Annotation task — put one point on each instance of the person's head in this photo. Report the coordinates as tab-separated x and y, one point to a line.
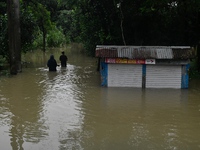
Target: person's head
63	52
51	57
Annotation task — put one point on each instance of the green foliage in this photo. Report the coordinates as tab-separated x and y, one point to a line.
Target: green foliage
143	22
3	69
38	43
3	30
55	38
28	27
193	72
95	21
3	35
4	72
65	21
2	7
36	24
2	60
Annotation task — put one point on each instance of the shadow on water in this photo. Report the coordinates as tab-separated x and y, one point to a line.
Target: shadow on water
68	109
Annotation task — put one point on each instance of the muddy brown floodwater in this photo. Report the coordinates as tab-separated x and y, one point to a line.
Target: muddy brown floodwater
69	110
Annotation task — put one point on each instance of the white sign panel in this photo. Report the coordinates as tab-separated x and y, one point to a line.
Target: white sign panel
150	61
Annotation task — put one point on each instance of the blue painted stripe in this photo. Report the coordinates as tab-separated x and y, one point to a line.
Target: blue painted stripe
104	73
144	70
144	76
185	77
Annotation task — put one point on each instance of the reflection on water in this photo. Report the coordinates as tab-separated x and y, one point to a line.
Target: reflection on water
21	109
68	109
143	119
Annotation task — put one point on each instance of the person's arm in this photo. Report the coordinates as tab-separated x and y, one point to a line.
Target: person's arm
47	63
56	64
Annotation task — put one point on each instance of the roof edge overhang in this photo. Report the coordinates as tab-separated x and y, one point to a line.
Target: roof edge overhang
145	52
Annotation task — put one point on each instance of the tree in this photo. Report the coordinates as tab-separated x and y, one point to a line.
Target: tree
43	21
3	32
14	36
116	22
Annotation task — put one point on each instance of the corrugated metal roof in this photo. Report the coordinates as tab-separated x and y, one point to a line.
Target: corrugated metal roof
145	52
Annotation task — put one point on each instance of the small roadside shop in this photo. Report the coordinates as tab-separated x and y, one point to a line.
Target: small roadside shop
144	66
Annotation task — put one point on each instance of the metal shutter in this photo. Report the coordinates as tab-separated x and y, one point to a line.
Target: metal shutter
163	76
124	75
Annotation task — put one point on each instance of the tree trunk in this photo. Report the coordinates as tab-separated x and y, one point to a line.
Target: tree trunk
44	37
198	57
121	25
14	36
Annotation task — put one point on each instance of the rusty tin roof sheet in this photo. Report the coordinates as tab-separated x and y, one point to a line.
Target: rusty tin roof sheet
145	52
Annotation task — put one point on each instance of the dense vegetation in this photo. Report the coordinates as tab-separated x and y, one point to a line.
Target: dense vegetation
54	23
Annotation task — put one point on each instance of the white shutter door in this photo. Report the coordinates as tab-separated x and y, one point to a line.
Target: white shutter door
124	75
163	76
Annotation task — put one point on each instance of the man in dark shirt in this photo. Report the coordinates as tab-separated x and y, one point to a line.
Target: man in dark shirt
63	60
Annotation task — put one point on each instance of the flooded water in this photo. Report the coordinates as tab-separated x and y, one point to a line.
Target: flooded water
69	110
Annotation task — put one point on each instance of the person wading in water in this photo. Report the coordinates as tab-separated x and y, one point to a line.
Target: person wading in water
52	64
63	60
